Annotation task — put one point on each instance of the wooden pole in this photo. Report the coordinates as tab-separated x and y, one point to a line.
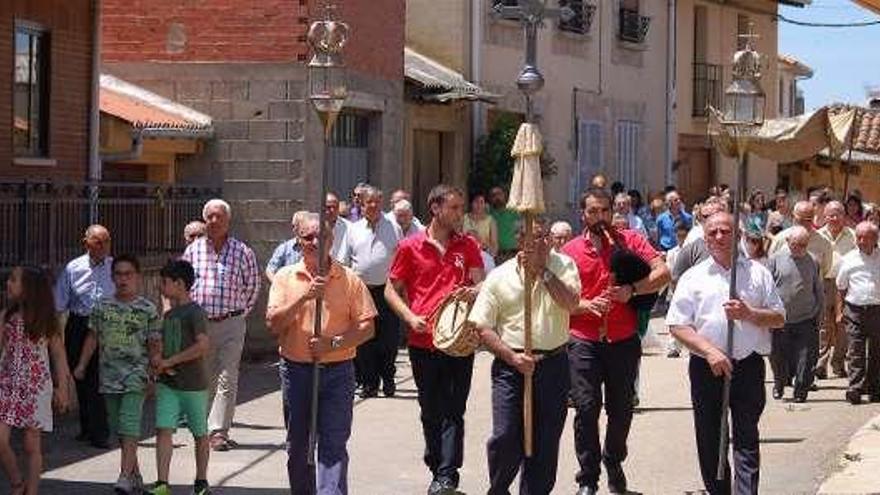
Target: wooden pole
528	389
852	139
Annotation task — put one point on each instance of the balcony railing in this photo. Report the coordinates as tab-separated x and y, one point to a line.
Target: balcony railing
42	223
581	19
707	88
633	26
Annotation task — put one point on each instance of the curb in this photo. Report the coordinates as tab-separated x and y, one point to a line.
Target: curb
859	463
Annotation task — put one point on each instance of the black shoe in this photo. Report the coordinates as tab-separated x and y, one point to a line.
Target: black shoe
389	388
840	374
82	437
587	490
778	392
799	398
442	486
854	397
874	398
814	387
821	374
368	393
616	478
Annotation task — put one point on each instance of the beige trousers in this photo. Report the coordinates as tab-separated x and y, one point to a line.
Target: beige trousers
227	342
832	336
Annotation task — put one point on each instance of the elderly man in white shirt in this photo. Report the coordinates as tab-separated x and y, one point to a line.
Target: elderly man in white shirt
858	284
623	205
371	243
698	317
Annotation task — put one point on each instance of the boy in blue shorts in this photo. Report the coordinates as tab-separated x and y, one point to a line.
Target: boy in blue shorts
182	390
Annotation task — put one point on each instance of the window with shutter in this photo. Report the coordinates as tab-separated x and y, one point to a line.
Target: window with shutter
589	155
628	141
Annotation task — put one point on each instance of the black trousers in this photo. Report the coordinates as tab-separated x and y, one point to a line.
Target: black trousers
863	354
92	412
376	357
747	399
794	356
592	365
505	447
444	383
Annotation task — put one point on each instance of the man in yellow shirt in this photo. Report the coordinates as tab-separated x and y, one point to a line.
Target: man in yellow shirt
347	318
498	316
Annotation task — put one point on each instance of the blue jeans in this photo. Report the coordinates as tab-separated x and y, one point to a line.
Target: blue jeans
335	408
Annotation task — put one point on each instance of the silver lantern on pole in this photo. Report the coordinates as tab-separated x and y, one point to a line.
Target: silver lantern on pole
327	91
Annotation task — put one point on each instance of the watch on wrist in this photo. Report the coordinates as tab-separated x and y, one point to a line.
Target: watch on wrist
633	291
336	342
546	275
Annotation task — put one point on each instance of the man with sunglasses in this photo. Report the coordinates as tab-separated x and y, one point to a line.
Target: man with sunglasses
83	282
347	319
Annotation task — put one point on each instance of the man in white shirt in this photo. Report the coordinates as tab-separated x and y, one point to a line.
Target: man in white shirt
370	244
698	317
858	283
391	214
832	337
403	216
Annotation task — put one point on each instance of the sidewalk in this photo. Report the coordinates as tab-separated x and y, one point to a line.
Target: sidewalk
860	463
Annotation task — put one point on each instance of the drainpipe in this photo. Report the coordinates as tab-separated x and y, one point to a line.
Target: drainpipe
476	72
671	69
95	172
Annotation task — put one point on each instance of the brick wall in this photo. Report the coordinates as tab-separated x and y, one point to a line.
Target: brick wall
69	23
245	31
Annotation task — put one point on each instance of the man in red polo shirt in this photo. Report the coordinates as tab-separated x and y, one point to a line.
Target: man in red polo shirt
605	348
426	268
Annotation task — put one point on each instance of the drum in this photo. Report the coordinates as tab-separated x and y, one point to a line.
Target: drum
453	335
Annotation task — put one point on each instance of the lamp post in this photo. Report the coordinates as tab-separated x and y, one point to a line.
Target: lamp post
327	92
743	115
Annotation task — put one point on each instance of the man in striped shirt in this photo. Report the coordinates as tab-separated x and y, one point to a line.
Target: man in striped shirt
226	287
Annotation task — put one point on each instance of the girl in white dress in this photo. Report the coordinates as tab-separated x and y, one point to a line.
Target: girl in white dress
29	334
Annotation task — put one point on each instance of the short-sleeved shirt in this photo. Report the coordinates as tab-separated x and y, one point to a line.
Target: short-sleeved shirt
799	284
371	248
499	304
181	326
505	221
702	291
594	269
429	275
286	254
346	304
859	276
82	284
227	280
123	329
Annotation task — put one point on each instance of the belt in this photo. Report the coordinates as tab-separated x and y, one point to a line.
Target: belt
331	364
231	314
544	353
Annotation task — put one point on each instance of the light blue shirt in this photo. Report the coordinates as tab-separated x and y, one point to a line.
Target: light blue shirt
287	253
82	284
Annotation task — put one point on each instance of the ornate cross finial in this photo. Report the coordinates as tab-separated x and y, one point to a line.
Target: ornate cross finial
747	62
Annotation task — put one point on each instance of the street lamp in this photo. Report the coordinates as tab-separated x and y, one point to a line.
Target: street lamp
743	115
327	91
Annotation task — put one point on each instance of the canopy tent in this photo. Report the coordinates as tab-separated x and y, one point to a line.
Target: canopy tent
832	131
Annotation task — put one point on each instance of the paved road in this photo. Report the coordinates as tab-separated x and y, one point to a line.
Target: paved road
801	443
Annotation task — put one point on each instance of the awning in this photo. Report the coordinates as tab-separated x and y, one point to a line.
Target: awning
872	5
829	131
439	83
150	113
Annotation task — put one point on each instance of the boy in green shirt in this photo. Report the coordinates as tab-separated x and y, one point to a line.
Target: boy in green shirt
120	327
176	357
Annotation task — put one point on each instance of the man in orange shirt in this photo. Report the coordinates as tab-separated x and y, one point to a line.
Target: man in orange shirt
347	318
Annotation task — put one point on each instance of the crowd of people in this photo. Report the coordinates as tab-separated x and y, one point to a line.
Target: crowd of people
807	297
